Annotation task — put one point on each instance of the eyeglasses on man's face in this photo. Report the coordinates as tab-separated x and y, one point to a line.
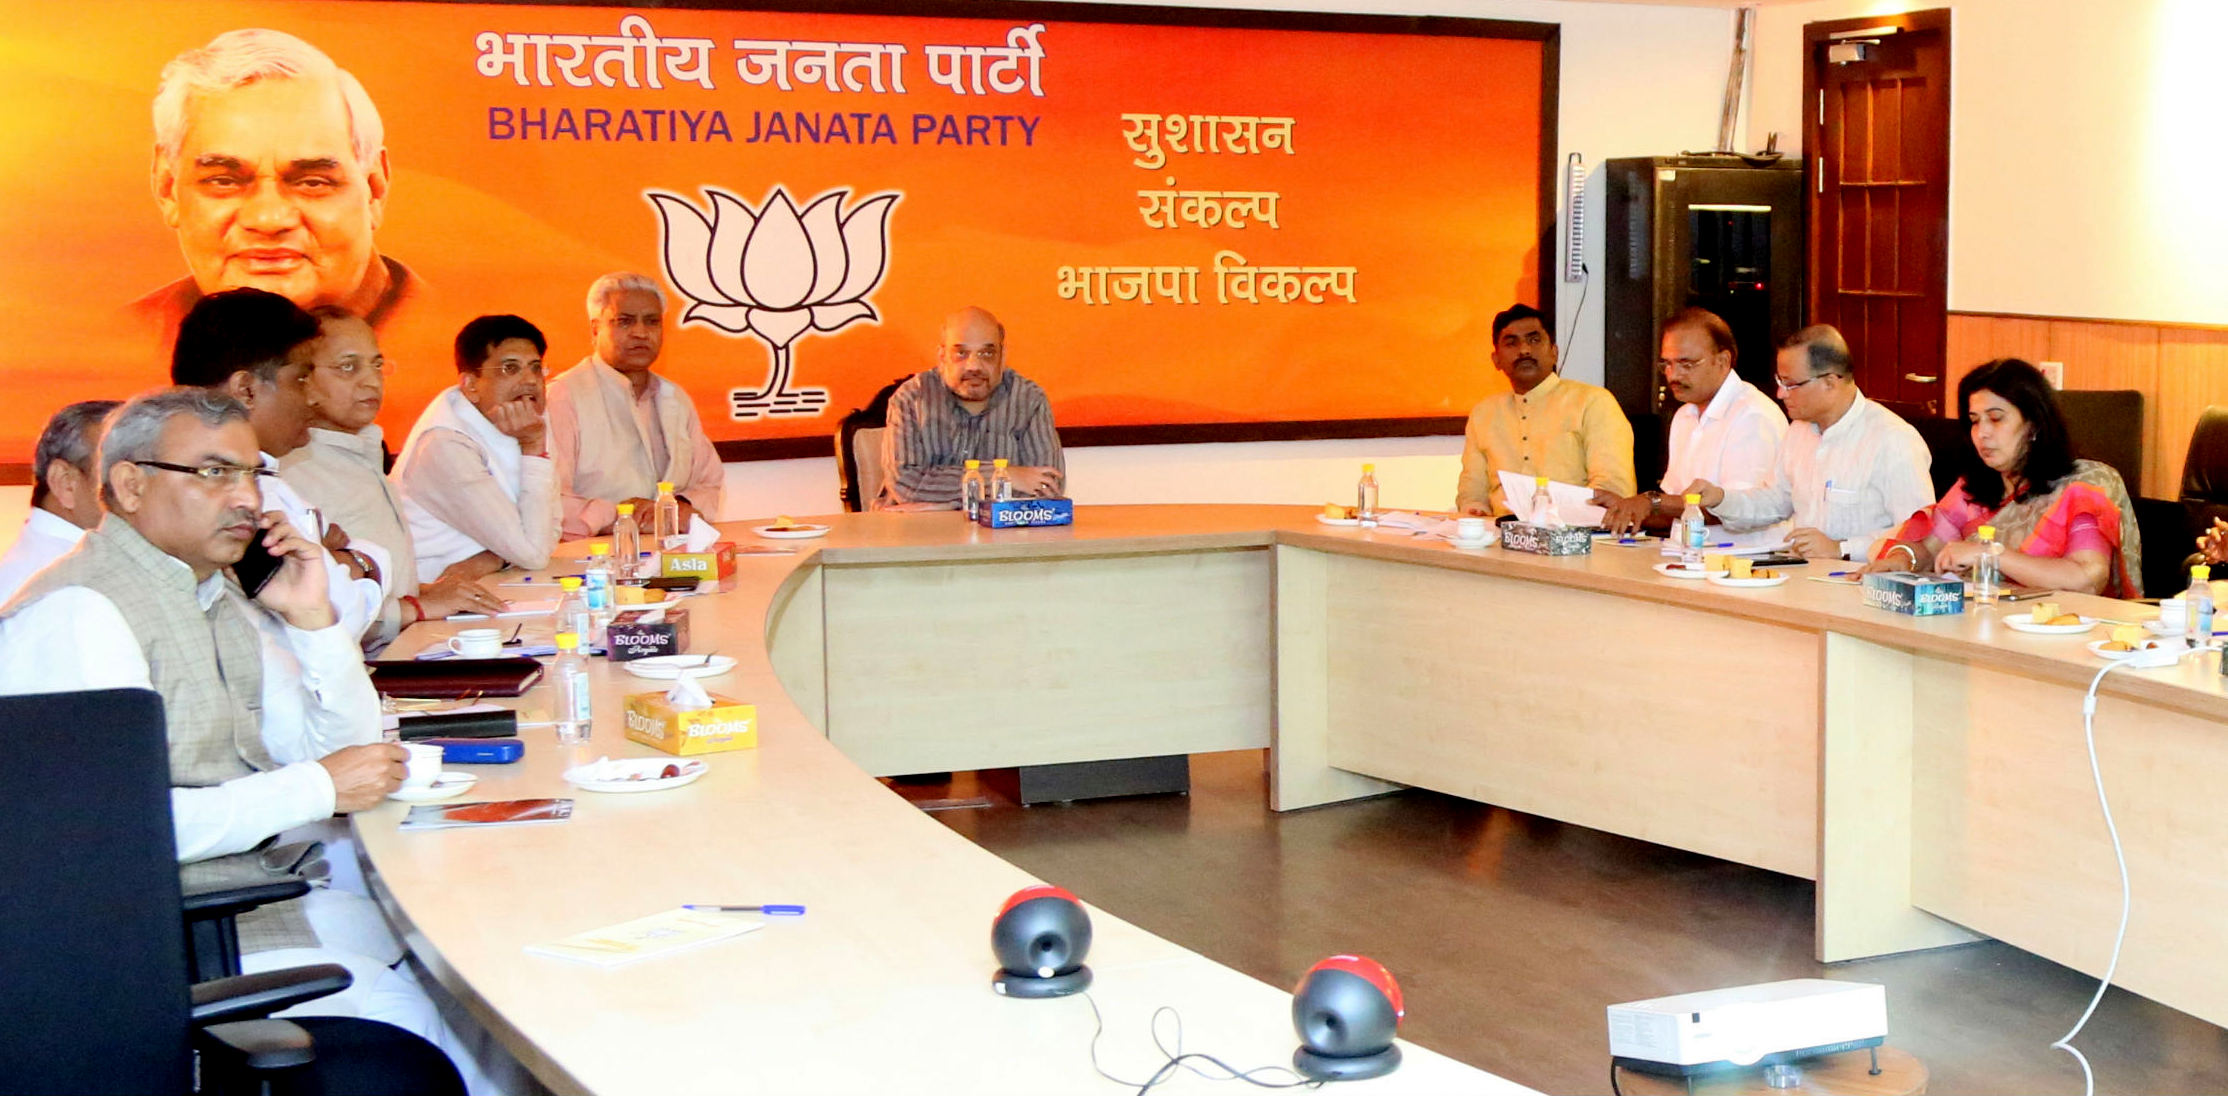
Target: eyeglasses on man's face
1679	365
1785	388
212	475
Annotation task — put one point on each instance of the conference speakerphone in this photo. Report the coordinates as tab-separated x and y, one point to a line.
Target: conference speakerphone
1764	1024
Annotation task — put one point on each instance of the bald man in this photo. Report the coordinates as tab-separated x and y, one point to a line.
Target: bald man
970	407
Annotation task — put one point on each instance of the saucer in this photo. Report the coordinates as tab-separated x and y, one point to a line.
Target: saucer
1481	542
448	785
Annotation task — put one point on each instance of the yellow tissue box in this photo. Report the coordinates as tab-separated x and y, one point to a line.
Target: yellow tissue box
726	725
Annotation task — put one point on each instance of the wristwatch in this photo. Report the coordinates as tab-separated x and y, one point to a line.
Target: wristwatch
1655	501
364	563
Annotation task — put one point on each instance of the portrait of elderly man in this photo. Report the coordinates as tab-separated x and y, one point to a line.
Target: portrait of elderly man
270	163
969	407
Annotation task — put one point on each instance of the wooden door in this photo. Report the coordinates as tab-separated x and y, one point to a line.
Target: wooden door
1878	164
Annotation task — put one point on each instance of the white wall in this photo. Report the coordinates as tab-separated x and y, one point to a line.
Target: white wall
2086	150
1637	80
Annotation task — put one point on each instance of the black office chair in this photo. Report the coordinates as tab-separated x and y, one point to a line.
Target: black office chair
858	450
96	990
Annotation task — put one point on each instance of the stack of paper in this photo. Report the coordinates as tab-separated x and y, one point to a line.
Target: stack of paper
657	934
1573	503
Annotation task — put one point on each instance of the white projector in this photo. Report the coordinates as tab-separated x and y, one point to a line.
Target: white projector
1744	1026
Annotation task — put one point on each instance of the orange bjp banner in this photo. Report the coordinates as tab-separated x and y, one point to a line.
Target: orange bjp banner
1284	220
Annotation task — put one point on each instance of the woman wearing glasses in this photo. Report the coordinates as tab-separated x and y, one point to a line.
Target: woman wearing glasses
2065	524
342	472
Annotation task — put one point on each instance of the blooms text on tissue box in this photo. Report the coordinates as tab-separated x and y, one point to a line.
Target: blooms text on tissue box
726	725
1023	513
633	635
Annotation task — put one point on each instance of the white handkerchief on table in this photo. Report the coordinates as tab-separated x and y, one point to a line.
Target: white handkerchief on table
1573	503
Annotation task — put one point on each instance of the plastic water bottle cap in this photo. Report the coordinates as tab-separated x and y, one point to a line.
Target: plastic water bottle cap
999	463
664	486
2201	572
1988	532
1542	480
599	548
569	582
974	464
626	509
1694	500
568	641
1368	468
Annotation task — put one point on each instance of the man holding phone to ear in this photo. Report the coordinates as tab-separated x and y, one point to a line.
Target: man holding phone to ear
143	602
257	348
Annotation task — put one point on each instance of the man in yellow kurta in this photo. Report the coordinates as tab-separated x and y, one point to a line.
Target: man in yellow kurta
1546	425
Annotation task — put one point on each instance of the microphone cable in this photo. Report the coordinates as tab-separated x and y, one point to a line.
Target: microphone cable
1178	1059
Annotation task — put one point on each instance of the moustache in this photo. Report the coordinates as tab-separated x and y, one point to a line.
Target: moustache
1527	360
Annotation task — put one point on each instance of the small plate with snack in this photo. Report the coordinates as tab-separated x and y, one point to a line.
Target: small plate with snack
1757	578
634	774
789	528
1680	570
2047	619
1334	514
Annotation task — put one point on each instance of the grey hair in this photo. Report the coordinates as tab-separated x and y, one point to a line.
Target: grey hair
69	436
1828	351
238	58
135	429
617	282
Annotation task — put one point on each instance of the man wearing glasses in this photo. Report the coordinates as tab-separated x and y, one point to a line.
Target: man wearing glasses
343	472
970	407
1850	470
144	602
1725	431
475	476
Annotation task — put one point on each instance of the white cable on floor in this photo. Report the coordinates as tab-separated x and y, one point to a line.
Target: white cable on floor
2088	730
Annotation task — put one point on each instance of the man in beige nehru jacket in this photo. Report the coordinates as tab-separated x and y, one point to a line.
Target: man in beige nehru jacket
616	430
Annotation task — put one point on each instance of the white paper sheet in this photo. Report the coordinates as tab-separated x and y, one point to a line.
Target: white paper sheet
1573	503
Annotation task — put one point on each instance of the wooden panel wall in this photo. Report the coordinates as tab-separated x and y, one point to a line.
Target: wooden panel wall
2179	370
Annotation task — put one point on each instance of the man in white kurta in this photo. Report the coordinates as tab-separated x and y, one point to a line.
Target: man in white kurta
65	498
1725	430
1850	471
475	476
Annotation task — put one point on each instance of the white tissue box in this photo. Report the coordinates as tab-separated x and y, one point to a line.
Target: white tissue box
726	725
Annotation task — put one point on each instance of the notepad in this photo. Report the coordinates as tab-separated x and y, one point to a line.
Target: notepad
645	937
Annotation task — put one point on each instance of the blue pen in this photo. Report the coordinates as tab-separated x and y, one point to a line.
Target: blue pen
770	911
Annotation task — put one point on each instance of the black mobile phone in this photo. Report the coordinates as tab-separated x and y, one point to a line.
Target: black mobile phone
256	565
1780	561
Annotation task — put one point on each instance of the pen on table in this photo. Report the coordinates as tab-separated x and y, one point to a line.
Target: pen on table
770	911
1839	574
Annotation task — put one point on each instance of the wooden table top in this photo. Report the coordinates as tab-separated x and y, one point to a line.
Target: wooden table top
886	979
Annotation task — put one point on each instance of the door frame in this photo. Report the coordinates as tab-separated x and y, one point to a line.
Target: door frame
1816	35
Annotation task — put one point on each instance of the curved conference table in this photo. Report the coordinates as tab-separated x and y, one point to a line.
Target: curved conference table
1928	773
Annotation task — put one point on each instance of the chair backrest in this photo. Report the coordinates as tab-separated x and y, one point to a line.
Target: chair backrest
1946	440
2107	425
859	459
95	992
2205	472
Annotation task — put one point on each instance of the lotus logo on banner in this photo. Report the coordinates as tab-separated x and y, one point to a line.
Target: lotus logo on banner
775	273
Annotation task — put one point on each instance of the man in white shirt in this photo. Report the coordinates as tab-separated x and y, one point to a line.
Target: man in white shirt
1850	471
1725	430
65	497
617	430
475	476
258	348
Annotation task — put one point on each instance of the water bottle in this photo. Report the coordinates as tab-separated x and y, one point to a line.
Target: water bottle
665	528
575	713
572	607
626	544
1001	482
595	587
1693	533
1988	576
971	489
2200	599
1545	513
1365	497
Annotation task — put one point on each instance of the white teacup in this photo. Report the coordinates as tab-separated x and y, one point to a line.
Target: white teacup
2173	616
424	765
477	643
1469	530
